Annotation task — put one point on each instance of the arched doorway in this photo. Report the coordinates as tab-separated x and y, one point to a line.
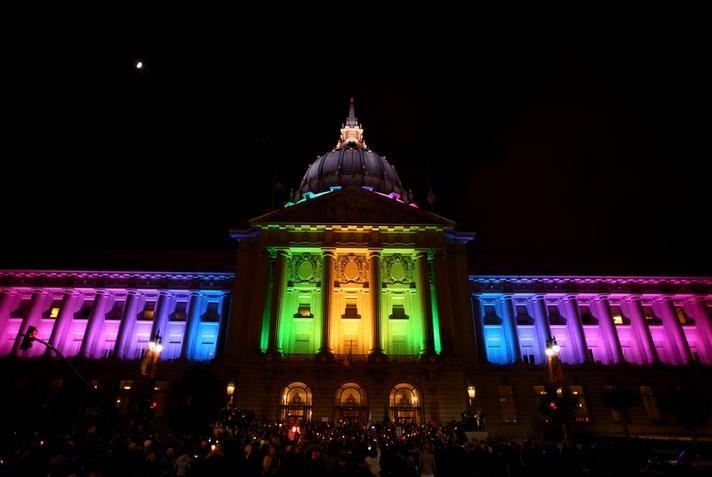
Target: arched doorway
296	403
351	404
405	404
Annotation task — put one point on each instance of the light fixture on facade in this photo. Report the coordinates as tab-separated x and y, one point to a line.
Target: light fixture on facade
471	392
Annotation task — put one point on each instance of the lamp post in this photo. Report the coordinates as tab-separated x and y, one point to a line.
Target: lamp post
153	353
556	378
230	389
552	360
471	393
30	337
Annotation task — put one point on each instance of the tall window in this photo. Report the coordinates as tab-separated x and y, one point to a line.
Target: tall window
149	310
85	311
617	315
649	314
491	317
682	316
615	415
581	411
555	317
116	311
587	317
304	311
651	403
212	312
522	313
54	309
506	403
351	310
22	309
179	313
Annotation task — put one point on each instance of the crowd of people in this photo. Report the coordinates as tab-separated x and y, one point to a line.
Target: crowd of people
239	445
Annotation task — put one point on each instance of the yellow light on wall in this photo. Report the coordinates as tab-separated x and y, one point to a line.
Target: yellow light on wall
230	389
471	391
54	312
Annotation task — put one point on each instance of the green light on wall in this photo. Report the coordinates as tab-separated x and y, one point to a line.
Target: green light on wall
436	319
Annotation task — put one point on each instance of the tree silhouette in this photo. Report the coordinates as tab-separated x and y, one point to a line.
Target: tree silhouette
200	395
621	400
559	406
689	406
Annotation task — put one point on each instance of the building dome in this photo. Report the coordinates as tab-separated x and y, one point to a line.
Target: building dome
352	163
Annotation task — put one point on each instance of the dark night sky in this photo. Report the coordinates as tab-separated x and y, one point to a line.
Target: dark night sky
570	146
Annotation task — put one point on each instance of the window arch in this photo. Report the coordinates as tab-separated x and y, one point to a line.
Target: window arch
405	404
296	403
351	404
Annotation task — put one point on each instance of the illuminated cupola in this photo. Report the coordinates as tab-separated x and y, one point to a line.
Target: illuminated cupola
352	164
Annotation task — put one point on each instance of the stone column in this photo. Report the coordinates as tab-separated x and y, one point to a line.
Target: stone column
703	323
479	327
328	258
192	325
374	284
422	259
609	334
509	323
674	332
7	301
575	328
160	318
280	277
541	323
127	325
34	315
92	334
59	337
644	339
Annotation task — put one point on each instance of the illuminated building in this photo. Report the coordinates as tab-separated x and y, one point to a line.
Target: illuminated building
351	303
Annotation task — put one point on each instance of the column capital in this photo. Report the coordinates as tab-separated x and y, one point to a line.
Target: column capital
133	292
601	298
375	252
102	292
422	253
570	298
328	252
696	299
539	298
633	298
275	252
165	293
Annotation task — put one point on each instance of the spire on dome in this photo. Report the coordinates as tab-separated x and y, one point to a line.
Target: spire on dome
351	120
351	132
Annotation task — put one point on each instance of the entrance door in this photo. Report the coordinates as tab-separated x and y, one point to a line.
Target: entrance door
351	405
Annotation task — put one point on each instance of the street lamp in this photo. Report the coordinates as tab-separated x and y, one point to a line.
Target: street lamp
155	346
30	337
471	393
552	348
230	391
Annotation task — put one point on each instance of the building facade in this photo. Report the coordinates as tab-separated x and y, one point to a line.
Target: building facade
350	303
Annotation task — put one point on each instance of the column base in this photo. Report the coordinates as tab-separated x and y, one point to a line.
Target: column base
325	355
377	356
272	356
429	356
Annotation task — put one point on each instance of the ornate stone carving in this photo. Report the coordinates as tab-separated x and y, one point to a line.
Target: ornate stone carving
305	268
397	269
352	269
